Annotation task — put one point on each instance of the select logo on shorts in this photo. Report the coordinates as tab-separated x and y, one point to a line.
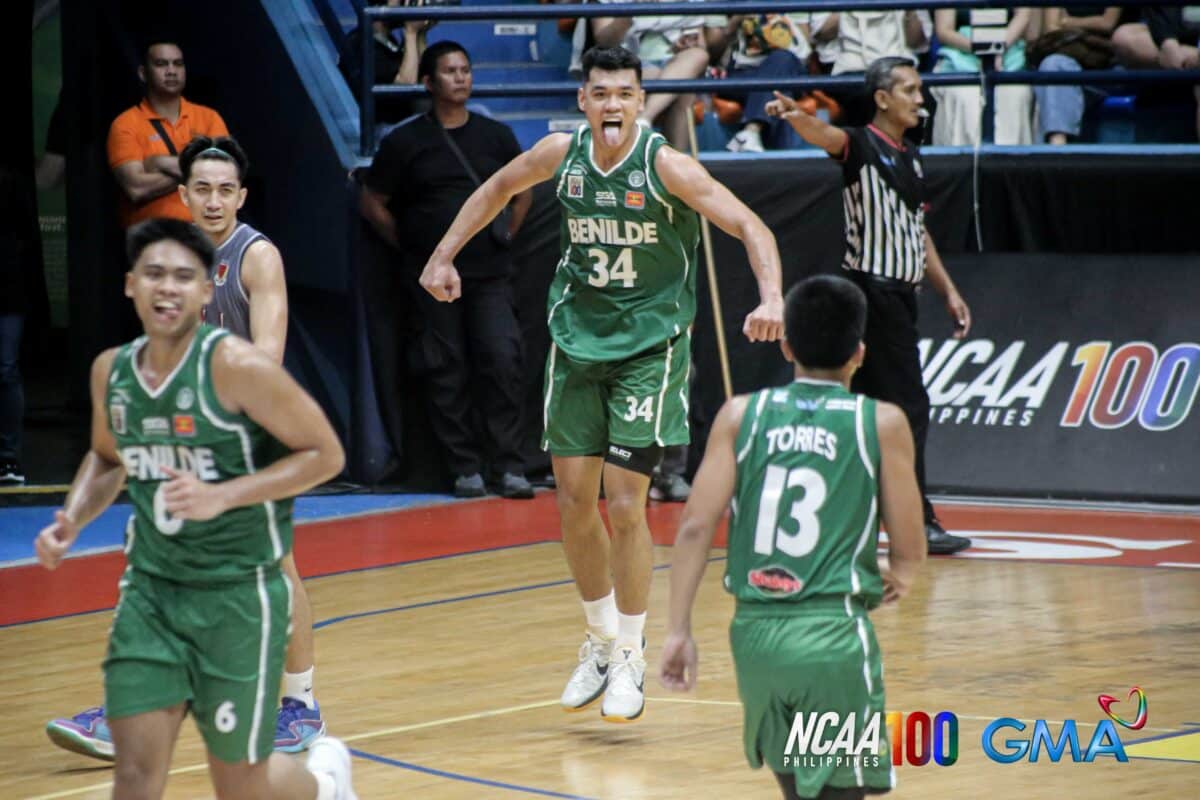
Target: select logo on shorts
221	274
185	425
635	200
774	581
575	186
620	452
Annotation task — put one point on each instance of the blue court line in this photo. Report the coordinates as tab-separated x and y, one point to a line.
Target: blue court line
461	598
1161	736
391	762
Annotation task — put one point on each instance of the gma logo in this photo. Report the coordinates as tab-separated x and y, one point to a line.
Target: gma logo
1104	742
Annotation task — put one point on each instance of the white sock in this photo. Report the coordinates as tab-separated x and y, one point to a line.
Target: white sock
602	615
326	787
299	686
629	630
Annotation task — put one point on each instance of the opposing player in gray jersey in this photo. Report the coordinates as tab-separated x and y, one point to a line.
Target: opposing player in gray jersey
249	299
810	469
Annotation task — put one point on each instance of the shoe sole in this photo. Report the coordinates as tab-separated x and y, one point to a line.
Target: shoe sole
947	550
302	745
619	720
75	743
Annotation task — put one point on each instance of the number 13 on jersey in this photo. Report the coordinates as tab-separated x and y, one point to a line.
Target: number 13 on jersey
768	535
621	269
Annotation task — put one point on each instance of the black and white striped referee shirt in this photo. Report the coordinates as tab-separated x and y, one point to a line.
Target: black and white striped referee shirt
884	201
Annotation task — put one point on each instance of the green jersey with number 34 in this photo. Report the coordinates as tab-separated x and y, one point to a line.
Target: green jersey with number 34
181	425
806	500
627	278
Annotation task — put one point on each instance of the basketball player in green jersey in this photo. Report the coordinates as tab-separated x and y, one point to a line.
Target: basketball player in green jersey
214	439
249	299
810	468
620	311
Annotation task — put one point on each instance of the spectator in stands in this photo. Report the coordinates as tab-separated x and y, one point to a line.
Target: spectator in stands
959	107
767	46
866	36
1071	40
144	141
1174	36
671	48
395	61
823	36
425	170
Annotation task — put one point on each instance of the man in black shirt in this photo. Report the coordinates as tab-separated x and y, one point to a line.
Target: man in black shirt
411	194
888	250
394	61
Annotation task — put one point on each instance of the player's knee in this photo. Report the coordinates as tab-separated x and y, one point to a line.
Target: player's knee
626	512
575	501
136	779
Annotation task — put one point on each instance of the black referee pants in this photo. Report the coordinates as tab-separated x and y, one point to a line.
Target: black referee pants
891	370
471	354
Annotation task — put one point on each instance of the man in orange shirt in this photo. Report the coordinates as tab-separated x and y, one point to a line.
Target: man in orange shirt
144	141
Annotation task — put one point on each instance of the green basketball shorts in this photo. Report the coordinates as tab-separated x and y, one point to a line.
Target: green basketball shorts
810	661
636	402
219	648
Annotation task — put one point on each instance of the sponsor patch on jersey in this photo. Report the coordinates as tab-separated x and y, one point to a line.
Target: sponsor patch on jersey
606	199
842	405
775	581
637	179
805	404
116	415
155	426
185	398
635	200
575	186
185	425
221	274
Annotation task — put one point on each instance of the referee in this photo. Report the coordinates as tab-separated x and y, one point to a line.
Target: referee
888	250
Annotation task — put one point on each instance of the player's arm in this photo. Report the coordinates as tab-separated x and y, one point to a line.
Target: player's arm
248	382
535	165
815	131
711	492
684	177
263	280
899	502
97	481
940	279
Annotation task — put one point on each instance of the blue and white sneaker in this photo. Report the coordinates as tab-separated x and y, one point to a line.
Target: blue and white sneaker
85	733
297	726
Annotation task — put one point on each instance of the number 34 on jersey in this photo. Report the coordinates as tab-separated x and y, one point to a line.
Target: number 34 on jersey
623	234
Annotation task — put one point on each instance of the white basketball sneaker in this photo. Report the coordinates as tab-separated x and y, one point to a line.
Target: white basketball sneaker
330	756
590	678
625	700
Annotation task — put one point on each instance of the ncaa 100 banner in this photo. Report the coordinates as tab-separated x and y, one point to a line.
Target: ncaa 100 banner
1079	378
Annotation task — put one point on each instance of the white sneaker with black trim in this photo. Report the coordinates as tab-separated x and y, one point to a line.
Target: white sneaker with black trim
590	678
625	699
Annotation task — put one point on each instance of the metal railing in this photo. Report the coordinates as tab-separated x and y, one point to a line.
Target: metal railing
987	80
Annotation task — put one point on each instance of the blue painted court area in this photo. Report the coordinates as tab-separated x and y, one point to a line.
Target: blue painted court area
18	526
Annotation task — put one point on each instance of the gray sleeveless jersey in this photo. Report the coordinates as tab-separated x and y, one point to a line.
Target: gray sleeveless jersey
230	306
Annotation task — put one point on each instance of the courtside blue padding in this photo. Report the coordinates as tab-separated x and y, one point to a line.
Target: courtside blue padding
512	787
18	526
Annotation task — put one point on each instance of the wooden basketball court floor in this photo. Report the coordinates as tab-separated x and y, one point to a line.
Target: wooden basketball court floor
446	633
